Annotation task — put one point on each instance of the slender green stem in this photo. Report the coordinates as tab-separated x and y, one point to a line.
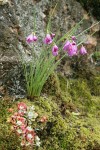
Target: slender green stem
87	29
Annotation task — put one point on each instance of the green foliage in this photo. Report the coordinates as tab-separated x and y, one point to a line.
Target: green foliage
36	76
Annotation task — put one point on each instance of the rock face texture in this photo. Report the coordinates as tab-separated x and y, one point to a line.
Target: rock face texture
16	22
11	41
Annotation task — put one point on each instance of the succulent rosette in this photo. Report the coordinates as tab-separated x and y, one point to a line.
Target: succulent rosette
21	122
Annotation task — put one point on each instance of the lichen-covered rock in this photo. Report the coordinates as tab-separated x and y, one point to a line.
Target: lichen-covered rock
11	42
3	2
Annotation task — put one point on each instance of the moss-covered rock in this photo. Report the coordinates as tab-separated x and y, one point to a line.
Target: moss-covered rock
8	139
94	85
73	117
80	92
52	86
69	131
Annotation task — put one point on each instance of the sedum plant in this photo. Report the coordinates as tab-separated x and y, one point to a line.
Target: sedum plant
38	69
23	124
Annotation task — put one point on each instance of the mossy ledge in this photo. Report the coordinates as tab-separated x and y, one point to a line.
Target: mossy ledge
73	116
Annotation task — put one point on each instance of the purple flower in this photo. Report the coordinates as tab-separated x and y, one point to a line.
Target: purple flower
73	38
83	51
52	35
65	48
55	50
48	39
72	49
35	38
73	43
31	38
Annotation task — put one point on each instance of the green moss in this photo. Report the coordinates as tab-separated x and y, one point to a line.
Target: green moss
63	83
64	86
94	85
8	140
61	132
51	86
73	117
80	92
46	106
